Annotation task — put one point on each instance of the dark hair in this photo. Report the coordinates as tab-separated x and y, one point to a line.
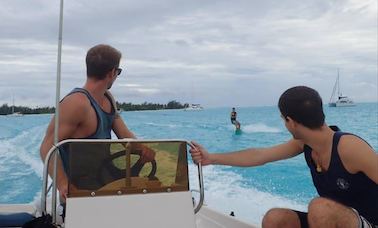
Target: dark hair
304	105
101	59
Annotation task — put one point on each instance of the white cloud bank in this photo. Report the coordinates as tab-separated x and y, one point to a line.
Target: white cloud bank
217	53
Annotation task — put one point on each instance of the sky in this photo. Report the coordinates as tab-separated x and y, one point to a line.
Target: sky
217	53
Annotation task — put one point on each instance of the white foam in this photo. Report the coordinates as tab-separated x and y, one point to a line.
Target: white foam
225	192
259	127
25	147
163	125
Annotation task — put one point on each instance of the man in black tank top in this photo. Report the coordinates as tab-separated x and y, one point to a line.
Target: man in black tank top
344	168
90	112
233	116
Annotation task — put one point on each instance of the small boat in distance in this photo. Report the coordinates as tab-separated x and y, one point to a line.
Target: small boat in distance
194	107
13	113
337	99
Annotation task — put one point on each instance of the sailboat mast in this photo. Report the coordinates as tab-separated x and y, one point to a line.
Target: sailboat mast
335	87
12	104
338	83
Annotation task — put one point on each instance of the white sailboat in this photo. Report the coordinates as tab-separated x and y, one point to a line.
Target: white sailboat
13	113
337	99
194	107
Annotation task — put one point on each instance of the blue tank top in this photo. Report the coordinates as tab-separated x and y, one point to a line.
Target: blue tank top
104	124
353	190
104	119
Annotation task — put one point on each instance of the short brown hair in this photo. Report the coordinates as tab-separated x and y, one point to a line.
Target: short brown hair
304	105
101	59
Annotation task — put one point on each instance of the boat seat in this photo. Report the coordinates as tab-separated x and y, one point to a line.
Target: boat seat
16	215
15	219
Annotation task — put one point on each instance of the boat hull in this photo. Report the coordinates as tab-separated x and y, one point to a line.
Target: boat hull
343	102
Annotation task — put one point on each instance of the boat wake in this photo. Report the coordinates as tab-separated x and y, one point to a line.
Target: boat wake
226	192
259	128
25	149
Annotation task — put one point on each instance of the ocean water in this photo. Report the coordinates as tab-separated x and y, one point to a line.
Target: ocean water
248	192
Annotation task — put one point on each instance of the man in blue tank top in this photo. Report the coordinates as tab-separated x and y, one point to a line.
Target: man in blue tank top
90	112
344	167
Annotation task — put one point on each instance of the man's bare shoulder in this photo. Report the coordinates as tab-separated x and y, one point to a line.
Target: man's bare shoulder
350	144
354	152
297	144
75	106
76	100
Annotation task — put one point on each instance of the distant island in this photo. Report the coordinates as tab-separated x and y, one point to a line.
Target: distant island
151	106
5	109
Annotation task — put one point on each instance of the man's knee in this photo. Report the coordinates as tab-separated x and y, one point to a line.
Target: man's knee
279	217
326	212
322	209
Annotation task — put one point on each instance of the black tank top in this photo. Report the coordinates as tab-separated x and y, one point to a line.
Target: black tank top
353	190
233	115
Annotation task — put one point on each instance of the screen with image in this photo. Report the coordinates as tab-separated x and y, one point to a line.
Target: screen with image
103	168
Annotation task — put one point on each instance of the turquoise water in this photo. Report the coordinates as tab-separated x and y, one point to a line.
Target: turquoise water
249	192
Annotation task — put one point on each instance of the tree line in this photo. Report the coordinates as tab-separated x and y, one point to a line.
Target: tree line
5	109
151	106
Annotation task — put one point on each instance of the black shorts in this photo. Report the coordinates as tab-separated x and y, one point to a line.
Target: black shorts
302	218
233	121
363	223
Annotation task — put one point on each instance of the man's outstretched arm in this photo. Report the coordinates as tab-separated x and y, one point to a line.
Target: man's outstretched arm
247	157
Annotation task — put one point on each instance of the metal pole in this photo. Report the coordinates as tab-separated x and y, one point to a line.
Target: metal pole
57	99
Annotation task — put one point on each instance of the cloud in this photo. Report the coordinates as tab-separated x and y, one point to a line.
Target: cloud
217	53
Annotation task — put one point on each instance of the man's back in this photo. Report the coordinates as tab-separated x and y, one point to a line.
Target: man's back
80	105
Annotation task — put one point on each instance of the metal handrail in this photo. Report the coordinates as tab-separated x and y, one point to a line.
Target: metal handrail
202	189
45	178
200	181
55	150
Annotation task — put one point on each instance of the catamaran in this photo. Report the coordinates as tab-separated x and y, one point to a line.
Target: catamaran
194	107
110	187
337	99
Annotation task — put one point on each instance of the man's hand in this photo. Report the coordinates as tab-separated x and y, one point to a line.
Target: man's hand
147	154
199	154
63	189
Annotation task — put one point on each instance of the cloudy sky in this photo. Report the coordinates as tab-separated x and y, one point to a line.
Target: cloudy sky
218	53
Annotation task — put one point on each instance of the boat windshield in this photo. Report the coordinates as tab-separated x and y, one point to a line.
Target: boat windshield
103	168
